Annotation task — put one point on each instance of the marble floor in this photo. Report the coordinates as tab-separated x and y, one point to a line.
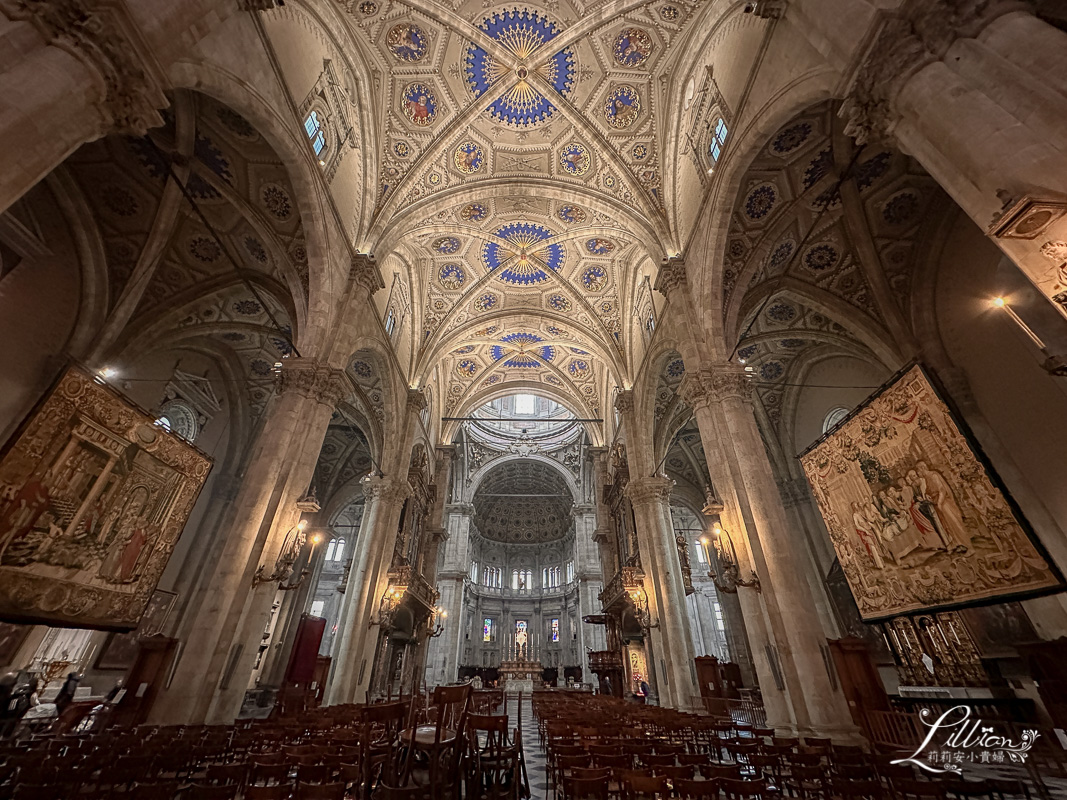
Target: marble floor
531	745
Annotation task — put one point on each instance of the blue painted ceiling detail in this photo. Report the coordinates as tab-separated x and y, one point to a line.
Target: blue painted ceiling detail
524	254
523	32
515	348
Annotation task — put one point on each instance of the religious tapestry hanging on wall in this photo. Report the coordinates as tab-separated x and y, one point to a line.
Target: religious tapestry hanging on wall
917	520
93	497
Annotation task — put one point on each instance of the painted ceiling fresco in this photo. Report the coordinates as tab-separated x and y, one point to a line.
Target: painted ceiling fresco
815	265
520	185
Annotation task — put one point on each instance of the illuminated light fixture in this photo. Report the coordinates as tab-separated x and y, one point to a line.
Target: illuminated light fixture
1054	365
322	163
107	373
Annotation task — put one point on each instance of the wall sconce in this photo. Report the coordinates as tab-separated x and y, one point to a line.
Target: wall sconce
287	557
639	599
724	570
1054	365
436	625
388	606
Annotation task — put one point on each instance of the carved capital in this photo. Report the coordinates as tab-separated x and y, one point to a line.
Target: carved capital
416	401
921	32
671	276
624	401
649	490
104	37
720	382
460	509
364	273
313	380
388	490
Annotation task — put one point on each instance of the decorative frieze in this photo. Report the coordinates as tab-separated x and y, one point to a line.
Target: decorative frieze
102	35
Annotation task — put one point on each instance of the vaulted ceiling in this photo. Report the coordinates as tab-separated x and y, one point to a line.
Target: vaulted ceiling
523	502
520	184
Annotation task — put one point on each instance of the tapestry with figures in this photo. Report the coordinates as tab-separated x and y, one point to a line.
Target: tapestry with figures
918	522
93	497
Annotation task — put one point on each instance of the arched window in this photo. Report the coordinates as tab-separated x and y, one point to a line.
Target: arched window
834	417
390	321
335	550
474	571
718	140
181	418
313	128
570	571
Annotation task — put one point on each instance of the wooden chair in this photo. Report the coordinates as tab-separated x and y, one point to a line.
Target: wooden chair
696	790
274	792
204	791
615	762
658	760
268	774
867	789
226	773
591	788
919	790
654	788
492	760
806	781
720	772
320	791
746	790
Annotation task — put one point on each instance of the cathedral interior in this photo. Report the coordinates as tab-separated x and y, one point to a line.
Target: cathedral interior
676	374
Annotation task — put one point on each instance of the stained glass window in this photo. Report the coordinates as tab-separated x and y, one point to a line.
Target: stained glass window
555	630
487	630
520	632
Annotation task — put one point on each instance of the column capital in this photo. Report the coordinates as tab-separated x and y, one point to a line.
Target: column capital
378	487
718	382
416	400
649	490
461	509
624	401
107	40
363	270
671	276
437	535
314	380
921	32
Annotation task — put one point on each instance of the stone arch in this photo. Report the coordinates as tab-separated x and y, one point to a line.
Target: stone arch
326	280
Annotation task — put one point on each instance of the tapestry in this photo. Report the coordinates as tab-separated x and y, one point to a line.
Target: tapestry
93	497
916	519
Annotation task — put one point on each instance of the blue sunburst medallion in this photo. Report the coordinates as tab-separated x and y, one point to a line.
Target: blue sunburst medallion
522	254
517	349
523	32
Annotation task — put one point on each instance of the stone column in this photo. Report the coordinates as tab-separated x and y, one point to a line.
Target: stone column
650	497
222	627
381	515
588	574
787	634
368	578
444	658
976	92
69	73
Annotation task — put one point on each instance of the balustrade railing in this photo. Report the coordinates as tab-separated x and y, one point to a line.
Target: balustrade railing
508	593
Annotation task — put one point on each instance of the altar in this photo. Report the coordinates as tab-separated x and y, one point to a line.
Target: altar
520	675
